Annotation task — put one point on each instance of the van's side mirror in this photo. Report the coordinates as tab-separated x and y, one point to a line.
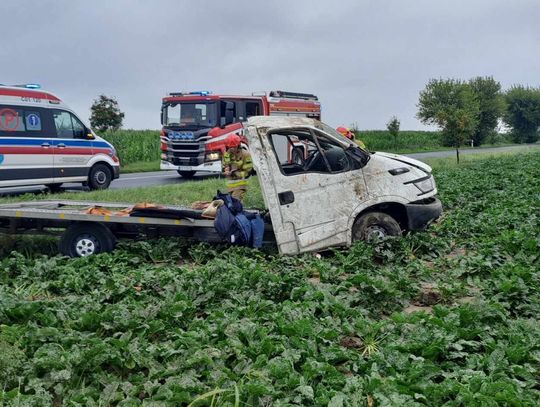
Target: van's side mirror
90	136
357	154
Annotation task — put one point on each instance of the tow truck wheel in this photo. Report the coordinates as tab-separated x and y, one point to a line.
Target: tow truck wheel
85	239
100	177
186	174
375	226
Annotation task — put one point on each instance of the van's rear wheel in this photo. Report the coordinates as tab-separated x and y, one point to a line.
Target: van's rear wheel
100	177
186	174
85	239
374	226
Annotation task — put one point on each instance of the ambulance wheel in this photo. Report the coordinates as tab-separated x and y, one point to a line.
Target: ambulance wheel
100	177
186	174
85	239
375	226
55	187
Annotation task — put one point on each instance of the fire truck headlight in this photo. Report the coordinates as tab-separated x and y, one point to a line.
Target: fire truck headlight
163	156
213	156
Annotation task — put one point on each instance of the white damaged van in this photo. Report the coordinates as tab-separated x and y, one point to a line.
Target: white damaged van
331	192
42	141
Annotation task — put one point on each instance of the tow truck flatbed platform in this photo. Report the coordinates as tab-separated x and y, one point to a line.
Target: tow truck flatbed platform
83	233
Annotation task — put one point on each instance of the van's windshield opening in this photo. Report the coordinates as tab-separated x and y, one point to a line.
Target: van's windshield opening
330	130
186	114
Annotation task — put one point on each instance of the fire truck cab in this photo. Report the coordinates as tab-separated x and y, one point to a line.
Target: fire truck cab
196	124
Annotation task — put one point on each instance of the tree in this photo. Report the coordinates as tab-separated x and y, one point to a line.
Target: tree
488	93
393	128
105	114
451	105
523	113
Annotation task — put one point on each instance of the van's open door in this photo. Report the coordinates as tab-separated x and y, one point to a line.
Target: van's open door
284	232
310	202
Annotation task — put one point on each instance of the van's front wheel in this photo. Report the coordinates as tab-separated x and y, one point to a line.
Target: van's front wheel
374	226
100	177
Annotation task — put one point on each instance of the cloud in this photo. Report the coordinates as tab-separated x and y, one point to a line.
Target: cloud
367	60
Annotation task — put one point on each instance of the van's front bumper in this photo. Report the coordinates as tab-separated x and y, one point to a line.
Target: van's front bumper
116	171
421	213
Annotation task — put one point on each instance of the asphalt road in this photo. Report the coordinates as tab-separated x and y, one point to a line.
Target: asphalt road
146	179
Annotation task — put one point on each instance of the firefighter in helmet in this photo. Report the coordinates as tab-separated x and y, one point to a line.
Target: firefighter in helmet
237	166
350	135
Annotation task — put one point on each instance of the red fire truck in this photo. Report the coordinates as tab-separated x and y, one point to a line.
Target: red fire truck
196	124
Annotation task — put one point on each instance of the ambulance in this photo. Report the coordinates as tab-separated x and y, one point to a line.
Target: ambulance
43	142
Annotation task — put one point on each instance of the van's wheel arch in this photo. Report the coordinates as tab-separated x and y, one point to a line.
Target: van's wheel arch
99	176
373	226
83	239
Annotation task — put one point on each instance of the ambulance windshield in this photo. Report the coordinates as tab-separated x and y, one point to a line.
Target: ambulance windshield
187	114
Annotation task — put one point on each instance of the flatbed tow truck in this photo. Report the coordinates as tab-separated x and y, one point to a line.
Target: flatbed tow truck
83	234
333	195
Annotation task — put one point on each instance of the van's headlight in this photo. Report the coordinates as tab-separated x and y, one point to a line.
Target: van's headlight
425	185
213	156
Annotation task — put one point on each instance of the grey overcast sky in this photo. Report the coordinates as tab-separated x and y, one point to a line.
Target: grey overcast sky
366	59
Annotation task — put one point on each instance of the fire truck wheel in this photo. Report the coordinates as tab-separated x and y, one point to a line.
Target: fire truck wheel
374	226
100	177
186	174
84	239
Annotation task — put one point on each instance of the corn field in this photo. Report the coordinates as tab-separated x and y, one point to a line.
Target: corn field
134	145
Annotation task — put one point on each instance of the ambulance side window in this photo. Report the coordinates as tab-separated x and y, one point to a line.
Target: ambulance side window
67	125
78	128
21	121
11	121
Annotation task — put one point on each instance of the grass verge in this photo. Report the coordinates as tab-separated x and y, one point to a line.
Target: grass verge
140	166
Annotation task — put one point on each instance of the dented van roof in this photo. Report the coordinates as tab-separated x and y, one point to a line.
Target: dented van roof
281	121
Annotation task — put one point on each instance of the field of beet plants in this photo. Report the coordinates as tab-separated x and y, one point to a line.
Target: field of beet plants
449	317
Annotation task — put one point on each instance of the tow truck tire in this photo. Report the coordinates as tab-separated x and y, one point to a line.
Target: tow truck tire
55	187
100	177
186	174
374	226
84	239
